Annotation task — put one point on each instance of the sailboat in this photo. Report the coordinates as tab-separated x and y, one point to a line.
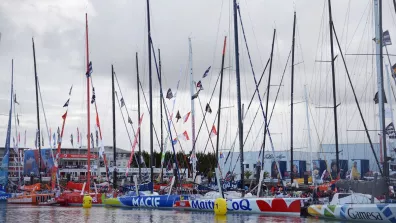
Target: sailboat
357	206
75	198
32	194
5	161
248	204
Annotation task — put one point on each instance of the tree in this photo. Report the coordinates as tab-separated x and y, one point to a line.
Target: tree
248	173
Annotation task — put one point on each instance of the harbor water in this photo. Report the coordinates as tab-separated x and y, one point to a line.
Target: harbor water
28	213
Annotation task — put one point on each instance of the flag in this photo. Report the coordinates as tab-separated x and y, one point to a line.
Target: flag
174	141
208	108
64	116
178	116
49	140
390	131
89	72
186	117
92	141
59	136
70	91
67	103
184	136
206	72
376	99
386	38
199	85
195	95
54	139
213	132
15	100
122	102
169	94
97	138
93	96
18	119
71	139
141	159
129	120
221	155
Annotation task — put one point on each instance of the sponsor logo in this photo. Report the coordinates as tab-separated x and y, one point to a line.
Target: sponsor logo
243	205
203	205
271	156
145	201
3	197
364	215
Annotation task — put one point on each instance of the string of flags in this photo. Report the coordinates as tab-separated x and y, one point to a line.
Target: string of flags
199	85
93	99
208	108
169	94
213	132
178	116
186	117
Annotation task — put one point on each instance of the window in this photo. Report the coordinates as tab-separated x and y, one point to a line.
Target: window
254	166
247	166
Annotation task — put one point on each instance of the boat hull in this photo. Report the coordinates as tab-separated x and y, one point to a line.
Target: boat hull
30	199
355	212
265	206
4	197
76	199
149	201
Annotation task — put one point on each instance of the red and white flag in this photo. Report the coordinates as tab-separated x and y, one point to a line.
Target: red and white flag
186	117
184	136
134	145
213	132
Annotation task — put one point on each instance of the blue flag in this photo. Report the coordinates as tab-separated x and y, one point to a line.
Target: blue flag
206	72
174	142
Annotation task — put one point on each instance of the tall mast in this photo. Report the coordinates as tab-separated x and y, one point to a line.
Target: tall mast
88	110
161	97
268	93
151	93
291	103
219	109
114	128
138	95
334	88
37	107
309	128
380	80
192	87
6	157
238	83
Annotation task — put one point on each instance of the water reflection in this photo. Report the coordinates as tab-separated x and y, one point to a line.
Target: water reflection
27	214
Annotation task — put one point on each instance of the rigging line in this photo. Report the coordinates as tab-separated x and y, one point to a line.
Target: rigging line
165	106
126	127
133	129
148	109
251	99
258	92
204	116
206	124
357	103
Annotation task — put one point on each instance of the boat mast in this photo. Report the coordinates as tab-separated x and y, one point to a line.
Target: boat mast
266	105
161	97
291	103
380	80
138	96
114	129
309	128
334	88
238	83
151	94
192	87
38	111
219	108
88	109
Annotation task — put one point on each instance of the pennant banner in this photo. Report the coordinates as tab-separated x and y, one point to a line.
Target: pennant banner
134	145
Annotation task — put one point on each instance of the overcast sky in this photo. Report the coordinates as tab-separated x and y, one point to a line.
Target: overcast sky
118	29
